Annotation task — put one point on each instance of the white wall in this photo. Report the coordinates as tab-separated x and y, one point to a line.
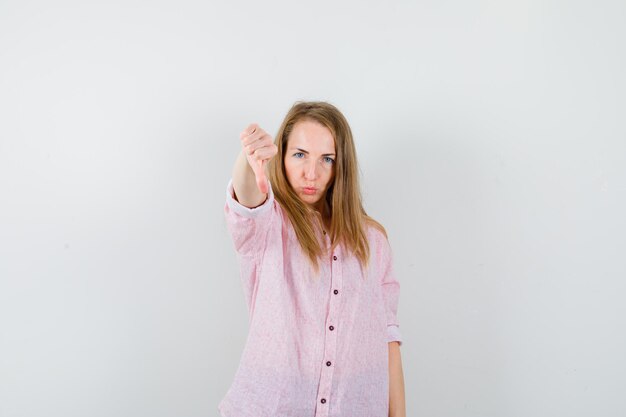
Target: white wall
492	144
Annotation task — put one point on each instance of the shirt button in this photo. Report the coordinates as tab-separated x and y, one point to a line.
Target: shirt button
336	292
332	328
335	258
328	363
323	400
324	231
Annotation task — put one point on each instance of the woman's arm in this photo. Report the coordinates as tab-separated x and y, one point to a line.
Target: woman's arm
397	407
244	183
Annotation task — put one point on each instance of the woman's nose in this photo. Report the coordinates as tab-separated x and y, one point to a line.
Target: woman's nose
310	171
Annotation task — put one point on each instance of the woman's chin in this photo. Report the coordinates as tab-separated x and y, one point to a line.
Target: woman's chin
310	199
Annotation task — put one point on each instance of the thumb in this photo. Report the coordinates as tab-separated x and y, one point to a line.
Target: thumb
261	179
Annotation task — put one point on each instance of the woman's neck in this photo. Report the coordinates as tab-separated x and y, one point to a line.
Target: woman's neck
323	211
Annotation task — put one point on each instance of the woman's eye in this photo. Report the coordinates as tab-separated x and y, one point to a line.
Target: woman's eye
298	154
329	160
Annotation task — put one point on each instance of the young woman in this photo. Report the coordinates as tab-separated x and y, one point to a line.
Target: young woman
317	276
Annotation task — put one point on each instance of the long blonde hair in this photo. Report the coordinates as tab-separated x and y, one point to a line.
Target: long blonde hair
348	219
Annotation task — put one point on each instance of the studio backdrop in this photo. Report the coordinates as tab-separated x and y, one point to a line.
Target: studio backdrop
492	147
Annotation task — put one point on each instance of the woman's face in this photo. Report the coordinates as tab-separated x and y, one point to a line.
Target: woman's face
310	161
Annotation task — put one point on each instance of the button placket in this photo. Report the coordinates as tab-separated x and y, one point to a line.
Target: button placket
330	337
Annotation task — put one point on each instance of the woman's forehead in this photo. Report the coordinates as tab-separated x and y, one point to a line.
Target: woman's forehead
311	136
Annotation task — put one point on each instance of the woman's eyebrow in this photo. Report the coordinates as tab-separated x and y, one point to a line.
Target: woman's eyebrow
304	151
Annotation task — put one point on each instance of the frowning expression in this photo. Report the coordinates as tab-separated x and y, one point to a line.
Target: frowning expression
310	161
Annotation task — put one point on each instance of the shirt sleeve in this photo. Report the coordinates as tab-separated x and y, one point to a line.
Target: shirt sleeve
391	294
248	226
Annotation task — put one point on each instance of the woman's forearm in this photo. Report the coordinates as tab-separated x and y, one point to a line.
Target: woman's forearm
397	406
244	183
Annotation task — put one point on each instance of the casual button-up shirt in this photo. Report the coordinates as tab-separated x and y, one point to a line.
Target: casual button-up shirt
317	344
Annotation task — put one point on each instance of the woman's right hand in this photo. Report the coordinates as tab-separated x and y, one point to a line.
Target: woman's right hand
259	148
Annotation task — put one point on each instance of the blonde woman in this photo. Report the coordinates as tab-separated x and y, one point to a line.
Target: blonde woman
317	274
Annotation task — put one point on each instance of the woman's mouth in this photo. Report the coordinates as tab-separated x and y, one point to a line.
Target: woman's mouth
309	190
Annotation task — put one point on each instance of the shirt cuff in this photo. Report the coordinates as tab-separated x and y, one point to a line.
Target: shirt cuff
393	334
244	211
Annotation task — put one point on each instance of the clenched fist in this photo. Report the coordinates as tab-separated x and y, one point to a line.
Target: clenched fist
259	149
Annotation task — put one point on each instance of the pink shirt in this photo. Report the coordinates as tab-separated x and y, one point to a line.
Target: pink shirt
315	346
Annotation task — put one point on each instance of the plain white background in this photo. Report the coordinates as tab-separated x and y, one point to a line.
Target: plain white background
492	146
